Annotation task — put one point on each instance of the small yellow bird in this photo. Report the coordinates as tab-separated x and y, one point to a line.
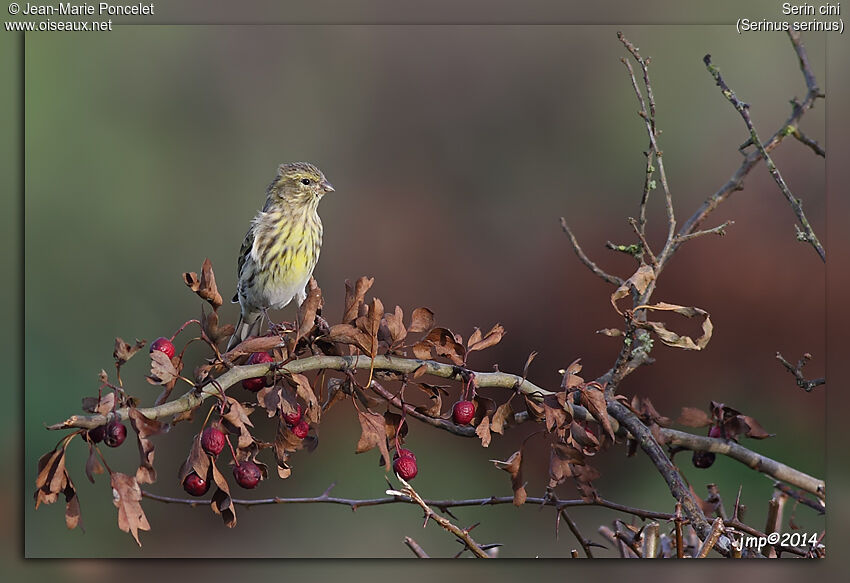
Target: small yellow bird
281	248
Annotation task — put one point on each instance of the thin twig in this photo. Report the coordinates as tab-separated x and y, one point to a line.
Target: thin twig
718	230
414	546
816	505
797	371
736	182
612	279
807	233
576	532
461	533
805	140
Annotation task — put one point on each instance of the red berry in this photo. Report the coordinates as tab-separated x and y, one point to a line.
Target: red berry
115	434
257	383
97	434
405	467
463	412
163	345
404	453
212	440
715	431
195	484
247	474
293	418
301	429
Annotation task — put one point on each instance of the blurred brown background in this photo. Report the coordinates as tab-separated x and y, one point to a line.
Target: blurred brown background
454	150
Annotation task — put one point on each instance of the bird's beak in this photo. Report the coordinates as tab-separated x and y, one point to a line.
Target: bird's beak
326	186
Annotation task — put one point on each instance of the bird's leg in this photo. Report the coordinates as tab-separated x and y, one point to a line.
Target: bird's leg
279	329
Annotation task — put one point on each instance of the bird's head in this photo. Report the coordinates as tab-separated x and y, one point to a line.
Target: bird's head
299	182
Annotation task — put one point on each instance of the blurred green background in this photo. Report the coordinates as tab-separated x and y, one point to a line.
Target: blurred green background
454	150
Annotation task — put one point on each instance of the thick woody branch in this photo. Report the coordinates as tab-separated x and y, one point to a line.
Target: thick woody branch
342	363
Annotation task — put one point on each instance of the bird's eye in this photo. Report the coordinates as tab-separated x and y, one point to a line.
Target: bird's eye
306	181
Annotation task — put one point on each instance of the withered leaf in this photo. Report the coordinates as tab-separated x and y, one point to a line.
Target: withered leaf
162	370
376	314
554	415
493	337
93	465
693	417
124	352
594	401
393	421
354	297
639	281
285	444
309	309
583	476
126	495
52	476
435	395
104	405
581	437
256	344
305	392
198	461
422	351
205	285
222	503
72	507
269	398
145	428
216	333
421	320
571	378
535	410
348	334
613	332
513	465
561	459
647	411
444	342
483	431
754	428
236	420
671	338
395	325
503	417
373	434
336	392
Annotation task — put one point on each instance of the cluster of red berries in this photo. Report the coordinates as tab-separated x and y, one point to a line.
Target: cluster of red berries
257	383
112	434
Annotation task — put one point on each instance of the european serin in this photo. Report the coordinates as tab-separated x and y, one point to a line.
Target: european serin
281	248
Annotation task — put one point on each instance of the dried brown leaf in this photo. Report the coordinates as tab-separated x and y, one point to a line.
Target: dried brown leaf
422	351
197	461
513	465
93	465
305	392
354	297
493	337
309	309
693	417
638	282
421	320
162	369
503	417
446	345
236	421
104	405
348	334
671	338
373	434
594	401
483	431
126	495
124	352
145	428
204	285
395	325
221	502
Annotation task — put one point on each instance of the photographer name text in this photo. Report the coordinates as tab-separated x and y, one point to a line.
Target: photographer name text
99	9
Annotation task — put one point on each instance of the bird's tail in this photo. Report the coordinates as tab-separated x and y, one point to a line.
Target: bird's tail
248	324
